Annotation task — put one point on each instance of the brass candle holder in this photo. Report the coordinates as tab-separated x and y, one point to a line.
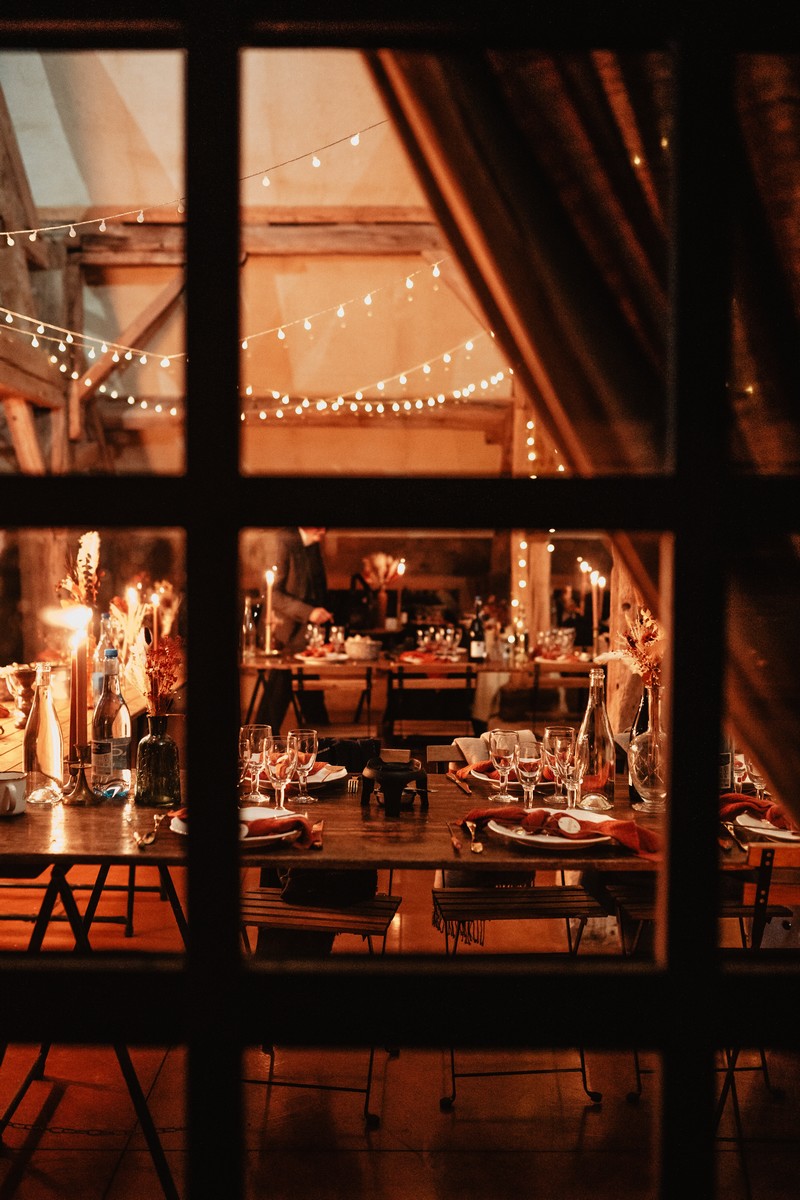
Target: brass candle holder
81	794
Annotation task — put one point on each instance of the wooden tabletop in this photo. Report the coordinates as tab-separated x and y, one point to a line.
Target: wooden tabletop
354	836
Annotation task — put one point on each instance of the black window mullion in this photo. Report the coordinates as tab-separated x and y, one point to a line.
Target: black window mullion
215	1160
699	363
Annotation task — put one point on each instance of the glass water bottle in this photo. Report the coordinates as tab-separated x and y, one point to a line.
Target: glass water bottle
43	746
600	763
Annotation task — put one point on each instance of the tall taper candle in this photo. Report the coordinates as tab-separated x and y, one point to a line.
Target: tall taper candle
81	691
155	601
73	696
270	578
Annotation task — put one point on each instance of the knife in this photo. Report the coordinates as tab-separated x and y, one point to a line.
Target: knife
459	782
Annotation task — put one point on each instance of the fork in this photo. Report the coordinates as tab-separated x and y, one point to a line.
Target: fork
353	783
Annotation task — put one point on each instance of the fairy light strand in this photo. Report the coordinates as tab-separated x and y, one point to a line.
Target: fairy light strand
9	236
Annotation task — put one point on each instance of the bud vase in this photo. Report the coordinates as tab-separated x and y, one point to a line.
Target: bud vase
158	779
647	758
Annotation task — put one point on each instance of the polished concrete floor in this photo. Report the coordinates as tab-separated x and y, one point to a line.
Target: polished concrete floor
75	1134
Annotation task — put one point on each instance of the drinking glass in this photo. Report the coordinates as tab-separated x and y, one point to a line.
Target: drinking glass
739	771
529	765
756	777
305	741
503	753
281	761
559	748
253	742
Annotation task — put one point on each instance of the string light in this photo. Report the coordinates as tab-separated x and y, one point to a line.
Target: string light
138	213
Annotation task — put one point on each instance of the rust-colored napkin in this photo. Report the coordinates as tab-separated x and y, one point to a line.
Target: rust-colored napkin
310	835
733	803
644	842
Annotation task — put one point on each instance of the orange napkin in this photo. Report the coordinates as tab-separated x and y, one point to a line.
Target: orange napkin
643	842
310	835
733	803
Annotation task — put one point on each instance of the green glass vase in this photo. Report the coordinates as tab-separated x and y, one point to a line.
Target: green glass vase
158	777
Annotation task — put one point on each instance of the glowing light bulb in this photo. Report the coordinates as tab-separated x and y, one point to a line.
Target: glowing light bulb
69	339
9	240
72	232
355	139
140	217
40	328
265	182
436	272
306	324
32	236
368	299
409	282
281	335
165	361
102	226
340	311
403	379
244	344
315	161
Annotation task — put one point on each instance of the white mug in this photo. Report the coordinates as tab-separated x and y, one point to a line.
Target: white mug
12	793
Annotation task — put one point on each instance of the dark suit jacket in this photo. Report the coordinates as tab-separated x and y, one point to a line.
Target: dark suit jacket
300	586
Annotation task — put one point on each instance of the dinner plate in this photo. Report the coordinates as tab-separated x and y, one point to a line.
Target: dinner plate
317	778
253	813
322	658
748	821
548	841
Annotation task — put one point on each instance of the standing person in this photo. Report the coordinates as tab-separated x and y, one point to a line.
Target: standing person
299	598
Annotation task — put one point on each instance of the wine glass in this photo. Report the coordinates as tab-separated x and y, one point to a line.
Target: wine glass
756	777
305	741
280	761
503	753
253	742
559	747
529	765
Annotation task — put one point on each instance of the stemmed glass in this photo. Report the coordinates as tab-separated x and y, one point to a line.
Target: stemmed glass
281	760
503	753
253	742
529	765
305	741
756	777
594	798
559	749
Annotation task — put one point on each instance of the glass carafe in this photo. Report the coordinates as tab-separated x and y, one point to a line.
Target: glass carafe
43	746
647	758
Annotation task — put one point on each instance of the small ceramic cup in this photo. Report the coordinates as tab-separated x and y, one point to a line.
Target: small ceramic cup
12	793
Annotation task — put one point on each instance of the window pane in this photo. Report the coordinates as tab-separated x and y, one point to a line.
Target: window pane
93	349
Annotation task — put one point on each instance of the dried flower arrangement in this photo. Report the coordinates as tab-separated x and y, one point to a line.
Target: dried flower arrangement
156	672
380	569
81	583
642	646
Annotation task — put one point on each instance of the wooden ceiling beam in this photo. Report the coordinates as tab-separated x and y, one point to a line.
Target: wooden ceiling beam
22	430
137	332
163	245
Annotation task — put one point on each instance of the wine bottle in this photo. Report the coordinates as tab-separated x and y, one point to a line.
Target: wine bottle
476	637
111	735
640	723
597	788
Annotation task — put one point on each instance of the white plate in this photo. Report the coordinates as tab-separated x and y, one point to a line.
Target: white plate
253	813
549	841
316	779
748	821
322	658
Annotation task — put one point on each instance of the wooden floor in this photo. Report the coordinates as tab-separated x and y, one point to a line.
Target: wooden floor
75	1135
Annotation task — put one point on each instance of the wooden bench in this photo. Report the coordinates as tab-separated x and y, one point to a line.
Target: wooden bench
462	912
457	908
264	908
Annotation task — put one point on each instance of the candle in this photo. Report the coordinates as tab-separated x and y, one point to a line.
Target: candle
270	578
73	695
155	601
81	689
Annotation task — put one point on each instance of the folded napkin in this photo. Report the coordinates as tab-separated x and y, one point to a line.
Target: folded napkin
310	835
643	842
733	803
